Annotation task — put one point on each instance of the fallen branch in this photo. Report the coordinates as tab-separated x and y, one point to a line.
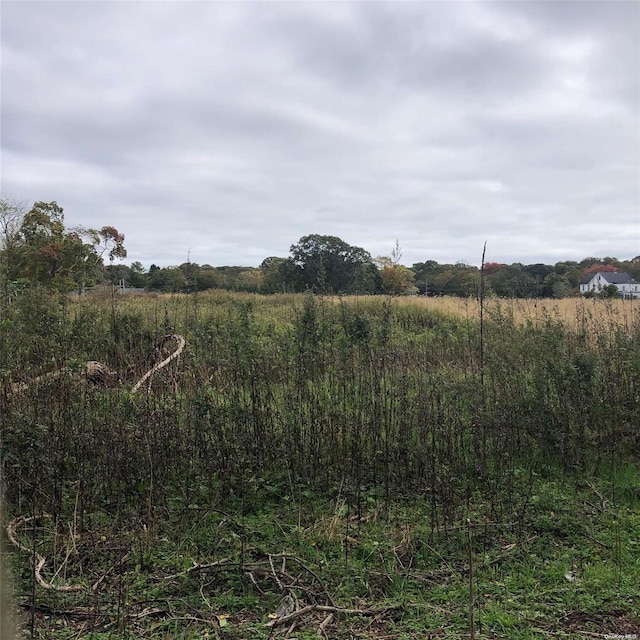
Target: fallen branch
99	373
40	561
322	628
181	343
333	610
20	387
201	567
285	556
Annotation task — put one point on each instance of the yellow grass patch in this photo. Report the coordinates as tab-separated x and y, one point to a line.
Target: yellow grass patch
569	311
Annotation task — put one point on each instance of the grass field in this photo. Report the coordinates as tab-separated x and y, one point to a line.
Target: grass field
570	312
309	467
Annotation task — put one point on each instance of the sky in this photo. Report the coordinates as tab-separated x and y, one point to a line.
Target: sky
223	132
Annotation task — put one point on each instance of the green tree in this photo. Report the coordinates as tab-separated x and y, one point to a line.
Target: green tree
190	271
208	278
116	273
538	273
158	279
250	280
172	279
572	271
327	264
609	291
137	275
49	254
12	212
632	267
556	286
43	251
425	272
395	279
366	279
456	280
512	281
279	274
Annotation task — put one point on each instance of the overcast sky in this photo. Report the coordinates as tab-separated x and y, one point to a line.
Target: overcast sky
223	132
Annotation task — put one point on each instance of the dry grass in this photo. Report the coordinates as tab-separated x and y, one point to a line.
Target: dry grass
571	312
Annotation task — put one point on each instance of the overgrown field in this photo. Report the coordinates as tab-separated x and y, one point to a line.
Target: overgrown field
571	312
358	468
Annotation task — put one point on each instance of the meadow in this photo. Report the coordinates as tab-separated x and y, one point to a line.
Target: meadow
322	467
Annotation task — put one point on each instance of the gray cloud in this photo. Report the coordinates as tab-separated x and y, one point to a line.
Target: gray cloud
225	131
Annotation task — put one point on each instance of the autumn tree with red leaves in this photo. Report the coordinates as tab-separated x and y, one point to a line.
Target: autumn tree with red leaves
490	267
600	268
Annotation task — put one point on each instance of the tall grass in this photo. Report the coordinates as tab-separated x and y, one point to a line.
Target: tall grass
284	393
569	311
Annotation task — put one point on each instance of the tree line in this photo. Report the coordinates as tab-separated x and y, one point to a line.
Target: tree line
36	247
282	275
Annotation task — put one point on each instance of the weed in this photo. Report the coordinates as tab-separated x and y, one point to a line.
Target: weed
361	455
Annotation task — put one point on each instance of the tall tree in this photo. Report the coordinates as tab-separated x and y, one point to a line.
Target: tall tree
425	273
279	275
12	212
456	280
137	276
395	279
250	280
327	264
208	278
44	251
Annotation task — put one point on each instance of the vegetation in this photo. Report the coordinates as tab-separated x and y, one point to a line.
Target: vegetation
35	246
314	465
367	466
380	276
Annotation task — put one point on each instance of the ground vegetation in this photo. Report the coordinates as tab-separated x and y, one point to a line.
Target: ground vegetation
311	465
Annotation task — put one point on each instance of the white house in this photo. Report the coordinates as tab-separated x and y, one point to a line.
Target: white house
594	282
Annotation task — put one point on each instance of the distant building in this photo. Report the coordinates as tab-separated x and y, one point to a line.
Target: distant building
595	282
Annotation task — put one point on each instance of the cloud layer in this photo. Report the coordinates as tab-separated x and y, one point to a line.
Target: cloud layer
224	132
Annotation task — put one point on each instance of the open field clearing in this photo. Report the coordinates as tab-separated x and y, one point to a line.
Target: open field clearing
304	467
571	312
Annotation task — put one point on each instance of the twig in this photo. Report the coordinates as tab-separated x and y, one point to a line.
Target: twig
257	586
482	297
603	500
80	613
96	584
296	614
149	611
319	607
200	567
602	544
309	571
322	628
273	571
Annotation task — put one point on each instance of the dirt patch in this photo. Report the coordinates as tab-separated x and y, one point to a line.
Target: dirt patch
617	622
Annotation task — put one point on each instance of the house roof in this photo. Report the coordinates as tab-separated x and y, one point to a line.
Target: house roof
610	276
